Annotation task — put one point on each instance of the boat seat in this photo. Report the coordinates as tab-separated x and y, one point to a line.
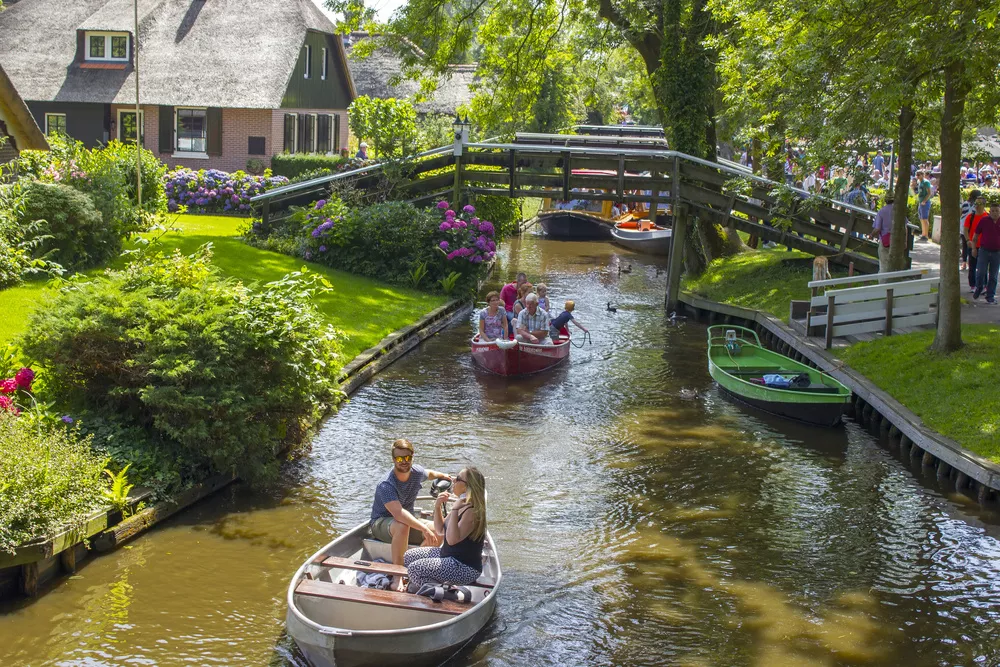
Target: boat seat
373	596
388	569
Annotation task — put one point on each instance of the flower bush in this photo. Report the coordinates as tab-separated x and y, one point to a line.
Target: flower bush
214	191
185	374
465	236
51	479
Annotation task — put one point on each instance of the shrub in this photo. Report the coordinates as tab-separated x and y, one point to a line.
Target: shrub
388	125
214	191
503	212
255	166
291	165
51	479
75	234
212	374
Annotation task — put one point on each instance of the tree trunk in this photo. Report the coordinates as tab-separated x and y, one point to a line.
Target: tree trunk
949	326
901	192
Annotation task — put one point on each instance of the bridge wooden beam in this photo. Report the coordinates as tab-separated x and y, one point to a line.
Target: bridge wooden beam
675	265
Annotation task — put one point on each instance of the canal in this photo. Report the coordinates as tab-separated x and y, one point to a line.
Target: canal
642	519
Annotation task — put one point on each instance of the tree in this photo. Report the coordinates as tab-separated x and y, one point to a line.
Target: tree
388	125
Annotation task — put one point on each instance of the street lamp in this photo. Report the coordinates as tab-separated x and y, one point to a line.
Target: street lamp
461	130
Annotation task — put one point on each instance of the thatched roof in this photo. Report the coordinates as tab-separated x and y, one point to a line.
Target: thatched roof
16	120
374	75
221	53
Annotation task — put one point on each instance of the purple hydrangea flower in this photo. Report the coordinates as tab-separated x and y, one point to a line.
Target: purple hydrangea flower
320	204
443	245
442	204
67	419
444	226
449	213
322	248
469	208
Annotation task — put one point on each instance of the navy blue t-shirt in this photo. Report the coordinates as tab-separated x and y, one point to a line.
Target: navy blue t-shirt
561	320
390	488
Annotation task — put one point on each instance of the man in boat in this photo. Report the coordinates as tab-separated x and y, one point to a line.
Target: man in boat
532	322
392	511
509	294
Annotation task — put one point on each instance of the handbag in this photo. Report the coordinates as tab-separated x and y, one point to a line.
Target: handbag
885	240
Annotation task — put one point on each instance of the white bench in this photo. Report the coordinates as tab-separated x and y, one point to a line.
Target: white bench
885	306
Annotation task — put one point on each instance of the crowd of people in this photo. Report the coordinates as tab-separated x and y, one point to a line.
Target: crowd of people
521	311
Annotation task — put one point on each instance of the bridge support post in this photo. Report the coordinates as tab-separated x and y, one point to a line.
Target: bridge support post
675	265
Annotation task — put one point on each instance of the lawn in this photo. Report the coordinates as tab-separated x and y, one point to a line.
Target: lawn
956	394
364	309
766	280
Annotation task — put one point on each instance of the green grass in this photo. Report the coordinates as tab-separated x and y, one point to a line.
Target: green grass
364	309
757	279
956	394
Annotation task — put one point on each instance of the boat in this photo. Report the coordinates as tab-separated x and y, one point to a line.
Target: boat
642	236
575	225
336	623
512	357
738	362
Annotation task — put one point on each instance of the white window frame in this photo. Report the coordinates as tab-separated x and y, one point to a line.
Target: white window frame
142	126
47	130
107	46
307	71
313	120
322	76
295	135
190	154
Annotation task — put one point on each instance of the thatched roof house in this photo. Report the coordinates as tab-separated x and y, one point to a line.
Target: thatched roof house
378	75
16	123
220	80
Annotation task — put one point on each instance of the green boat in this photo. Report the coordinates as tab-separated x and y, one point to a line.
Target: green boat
738	362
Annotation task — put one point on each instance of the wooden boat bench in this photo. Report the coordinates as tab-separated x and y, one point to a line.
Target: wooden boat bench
352	593
388	569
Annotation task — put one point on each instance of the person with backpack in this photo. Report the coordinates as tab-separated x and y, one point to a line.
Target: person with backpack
971	225
968	207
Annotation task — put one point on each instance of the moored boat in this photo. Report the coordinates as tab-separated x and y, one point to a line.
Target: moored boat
738	362
335	622
511	357
574	225
642	236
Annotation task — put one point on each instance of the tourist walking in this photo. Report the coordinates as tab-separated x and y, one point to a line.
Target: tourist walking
986	244
968	207
971	224
881	231
923	204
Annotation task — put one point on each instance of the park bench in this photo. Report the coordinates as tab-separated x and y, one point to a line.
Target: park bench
882	302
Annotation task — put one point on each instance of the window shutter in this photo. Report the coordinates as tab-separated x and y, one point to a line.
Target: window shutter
289	133
336	133
166	129
323	133
214	118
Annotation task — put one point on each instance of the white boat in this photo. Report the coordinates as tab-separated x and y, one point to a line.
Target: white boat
337	623
643	236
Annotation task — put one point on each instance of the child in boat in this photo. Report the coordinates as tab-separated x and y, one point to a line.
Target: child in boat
493	319
562	320
543	300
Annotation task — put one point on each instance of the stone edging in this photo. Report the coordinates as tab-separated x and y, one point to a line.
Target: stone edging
874	408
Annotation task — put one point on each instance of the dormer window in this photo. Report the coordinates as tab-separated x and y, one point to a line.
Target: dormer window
107	46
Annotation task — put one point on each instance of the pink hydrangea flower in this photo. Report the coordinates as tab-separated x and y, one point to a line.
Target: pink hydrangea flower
469	208
24	378
8	386
7	404
443	204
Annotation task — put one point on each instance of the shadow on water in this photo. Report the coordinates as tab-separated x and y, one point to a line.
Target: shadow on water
641	517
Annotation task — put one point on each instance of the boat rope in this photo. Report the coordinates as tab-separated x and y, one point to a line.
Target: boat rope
730	353
586	339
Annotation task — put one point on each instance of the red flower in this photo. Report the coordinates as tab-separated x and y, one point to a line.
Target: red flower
8	386
24	378
7	404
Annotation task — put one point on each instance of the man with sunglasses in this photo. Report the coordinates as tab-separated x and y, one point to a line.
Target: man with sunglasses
392	512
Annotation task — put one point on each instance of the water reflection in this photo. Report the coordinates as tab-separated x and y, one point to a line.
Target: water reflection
643	519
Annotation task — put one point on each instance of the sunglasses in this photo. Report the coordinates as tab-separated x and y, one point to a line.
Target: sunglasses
401	459
459	479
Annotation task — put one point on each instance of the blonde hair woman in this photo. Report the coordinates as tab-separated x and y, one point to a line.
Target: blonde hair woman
522	293
459	559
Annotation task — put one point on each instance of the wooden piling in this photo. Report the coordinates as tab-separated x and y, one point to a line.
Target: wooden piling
675	267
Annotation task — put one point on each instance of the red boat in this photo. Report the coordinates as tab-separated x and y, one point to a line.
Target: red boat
511	357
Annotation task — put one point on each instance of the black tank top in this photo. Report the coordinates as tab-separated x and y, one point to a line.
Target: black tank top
468	551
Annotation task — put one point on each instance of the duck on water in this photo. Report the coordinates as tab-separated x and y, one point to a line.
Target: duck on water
422	604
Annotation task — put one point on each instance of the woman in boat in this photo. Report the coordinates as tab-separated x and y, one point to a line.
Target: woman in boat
493	319
522	291
459	559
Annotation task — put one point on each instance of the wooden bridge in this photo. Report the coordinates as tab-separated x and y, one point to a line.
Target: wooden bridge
629	169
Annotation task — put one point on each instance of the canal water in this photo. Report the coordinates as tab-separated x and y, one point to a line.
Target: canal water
642	519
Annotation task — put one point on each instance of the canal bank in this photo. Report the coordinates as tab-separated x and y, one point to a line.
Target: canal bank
36	566
641	517
931	454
